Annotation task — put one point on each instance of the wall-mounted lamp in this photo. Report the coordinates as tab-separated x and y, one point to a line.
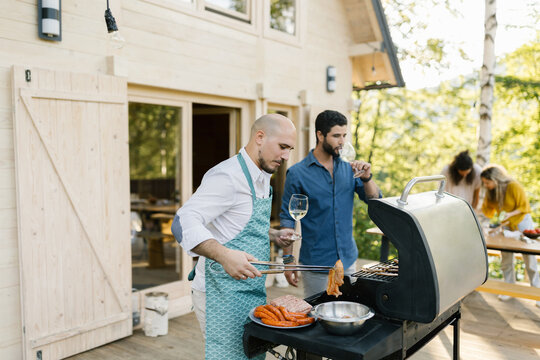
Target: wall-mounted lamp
116	39
331	78
49	20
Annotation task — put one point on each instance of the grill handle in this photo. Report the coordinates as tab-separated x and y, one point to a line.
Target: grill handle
440	194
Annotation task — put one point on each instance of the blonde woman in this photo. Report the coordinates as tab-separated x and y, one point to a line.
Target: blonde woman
505	194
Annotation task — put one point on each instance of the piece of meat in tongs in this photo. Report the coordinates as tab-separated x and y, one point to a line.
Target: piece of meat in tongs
335	279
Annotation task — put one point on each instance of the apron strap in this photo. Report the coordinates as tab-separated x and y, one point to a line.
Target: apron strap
247	174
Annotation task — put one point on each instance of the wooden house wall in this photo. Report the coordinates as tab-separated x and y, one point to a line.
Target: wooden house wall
167	47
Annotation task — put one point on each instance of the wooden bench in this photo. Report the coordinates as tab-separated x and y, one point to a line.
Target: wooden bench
514	290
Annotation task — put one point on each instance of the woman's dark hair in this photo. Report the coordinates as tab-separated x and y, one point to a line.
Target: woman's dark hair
326	120
462	161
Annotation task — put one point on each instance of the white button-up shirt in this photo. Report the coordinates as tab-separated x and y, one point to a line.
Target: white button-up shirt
221	207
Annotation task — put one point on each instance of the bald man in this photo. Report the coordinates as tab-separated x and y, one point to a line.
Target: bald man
227	224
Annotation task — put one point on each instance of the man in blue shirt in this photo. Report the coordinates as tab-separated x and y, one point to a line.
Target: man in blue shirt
330	184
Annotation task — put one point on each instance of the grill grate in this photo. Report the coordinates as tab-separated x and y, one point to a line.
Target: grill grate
386	271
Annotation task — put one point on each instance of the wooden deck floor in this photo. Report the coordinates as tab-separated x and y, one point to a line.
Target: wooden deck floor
490	329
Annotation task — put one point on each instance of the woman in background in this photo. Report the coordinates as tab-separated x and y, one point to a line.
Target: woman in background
463	178
505	194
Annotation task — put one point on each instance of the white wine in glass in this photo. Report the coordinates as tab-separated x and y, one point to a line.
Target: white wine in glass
348	154
298	207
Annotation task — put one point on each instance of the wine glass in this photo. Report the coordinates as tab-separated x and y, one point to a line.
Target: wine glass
298	207
348	154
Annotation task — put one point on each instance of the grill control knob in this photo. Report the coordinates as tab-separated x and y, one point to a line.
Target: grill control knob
385	297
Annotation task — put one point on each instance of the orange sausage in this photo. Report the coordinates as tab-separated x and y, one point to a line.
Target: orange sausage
305	321
279	323
262	315
298	315
276	311
267	313
286	314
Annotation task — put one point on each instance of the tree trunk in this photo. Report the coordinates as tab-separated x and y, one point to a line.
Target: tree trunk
375	129
487	82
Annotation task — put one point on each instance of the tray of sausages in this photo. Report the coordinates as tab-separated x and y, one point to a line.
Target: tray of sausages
278	317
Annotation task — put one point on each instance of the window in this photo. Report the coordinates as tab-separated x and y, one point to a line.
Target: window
239	9
283	16
154	163
153	135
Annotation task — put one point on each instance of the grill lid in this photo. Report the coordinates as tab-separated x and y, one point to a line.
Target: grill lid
442	251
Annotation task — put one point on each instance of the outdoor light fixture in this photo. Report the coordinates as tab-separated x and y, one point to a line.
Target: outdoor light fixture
331	78
49	20
116	39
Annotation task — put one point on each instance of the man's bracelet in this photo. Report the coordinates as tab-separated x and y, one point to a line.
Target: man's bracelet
287	259
366	180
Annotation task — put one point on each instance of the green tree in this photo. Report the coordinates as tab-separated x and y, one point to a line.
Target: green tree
282	15
153	140
406	134
414	133
516	124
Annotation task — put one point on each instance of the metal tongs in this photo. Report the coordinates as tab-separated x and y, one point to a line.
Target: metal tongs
277	268
274	268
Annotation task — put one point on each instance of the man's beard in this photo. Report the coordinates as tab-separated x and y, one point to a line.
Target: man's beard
265	166
330	150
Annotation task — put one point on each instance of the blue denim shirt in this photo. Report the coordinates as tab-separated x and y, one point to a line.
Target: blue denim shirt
327	227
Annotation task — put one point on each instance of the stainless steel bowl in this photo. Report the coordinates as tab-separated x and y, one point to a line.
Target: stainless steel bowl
342	317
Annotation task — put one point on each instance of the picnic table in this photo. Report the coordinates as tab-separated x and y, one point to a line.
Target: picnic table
493	242
154	216
503	243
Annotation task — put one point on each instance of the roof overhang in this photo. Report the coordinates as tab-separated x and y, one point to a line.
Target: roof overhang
373	55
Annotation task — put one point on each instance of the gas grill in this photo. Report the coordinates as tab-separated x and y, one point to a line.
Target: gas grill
441	258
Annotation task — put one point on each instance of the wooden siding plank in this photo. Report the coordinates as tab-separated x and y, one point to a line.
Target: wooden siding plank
10	315
85	137
10	274
6	139
6	121
190	25
7	198
54	259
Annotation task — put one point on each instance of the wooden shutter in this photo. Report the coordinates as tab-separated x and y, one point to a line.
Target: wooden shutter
72	180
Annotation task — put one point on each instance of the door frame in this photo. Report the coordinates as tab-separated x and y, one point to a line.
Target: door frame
293	114
180	291
234	126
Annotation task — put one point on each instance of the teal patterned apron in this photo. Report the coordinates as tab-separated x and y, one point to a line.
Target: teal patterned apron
229	301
